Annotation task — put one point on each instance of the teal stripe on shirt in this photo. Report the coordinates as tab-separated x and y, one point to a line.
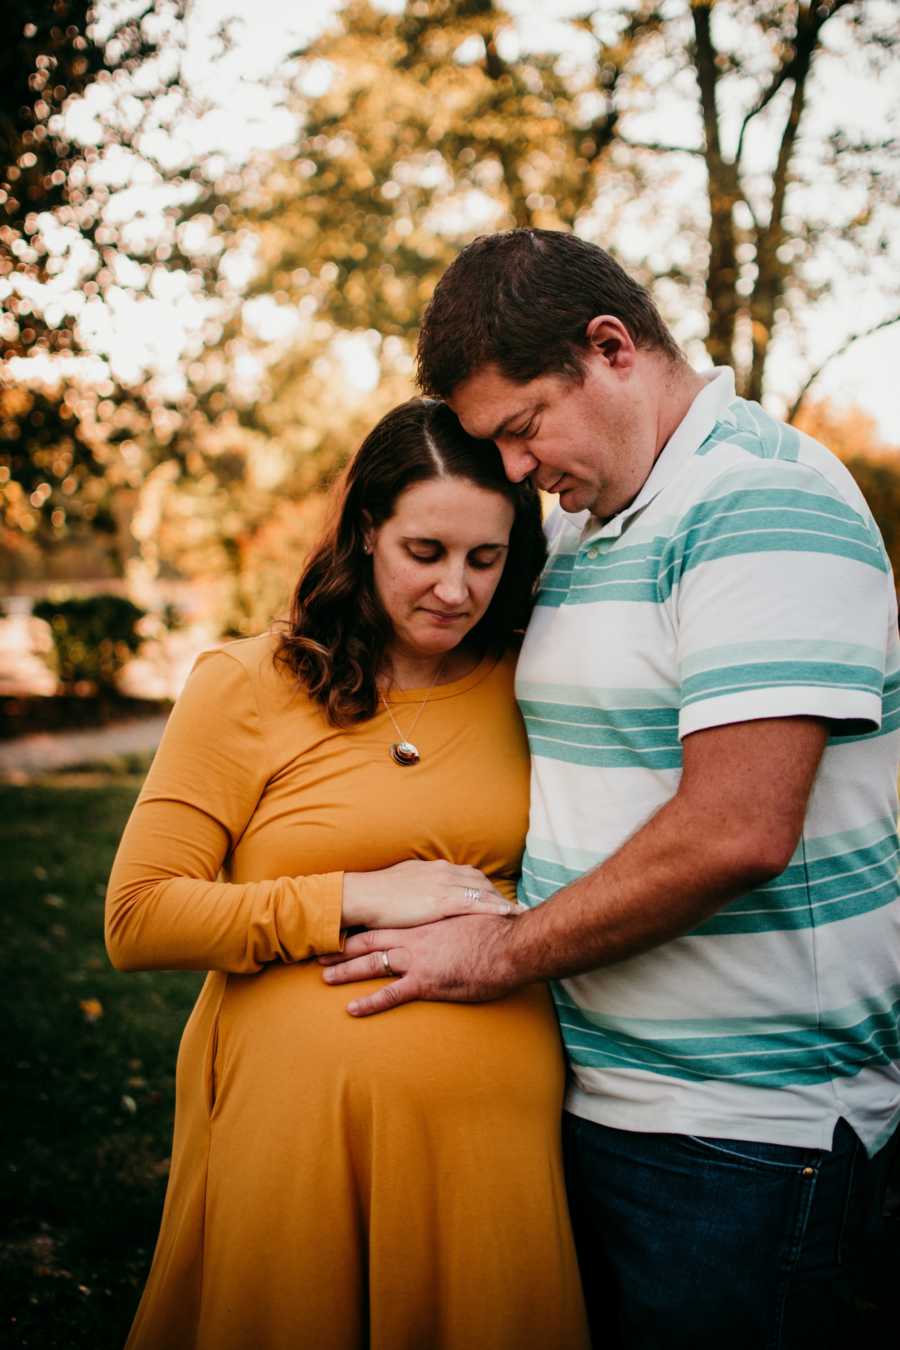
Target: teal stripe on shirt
746	520
779	674
804	1054
779	649
811	892
603	737
767	520
749	427
814	894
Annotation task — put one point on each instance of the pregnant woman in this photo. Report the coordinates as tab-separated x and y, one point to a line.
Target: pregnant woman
339	1183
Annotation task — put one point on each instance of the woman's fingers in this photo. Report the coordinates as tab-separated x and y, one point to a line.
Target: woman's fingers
483	899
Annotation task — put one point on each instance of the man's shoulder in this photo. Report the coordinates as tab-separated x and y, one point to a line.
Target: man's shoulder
746	429
751	447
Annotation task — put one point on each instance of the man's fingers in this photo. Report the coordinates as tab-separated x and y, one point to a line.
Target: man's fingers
372	940
372	966
390	996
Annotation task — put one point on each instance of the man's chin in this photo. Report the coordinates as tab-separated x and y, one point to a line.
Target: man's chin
574	499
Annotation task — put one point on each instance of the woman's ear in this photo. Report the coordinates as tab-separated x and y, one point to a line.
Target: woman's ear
368	532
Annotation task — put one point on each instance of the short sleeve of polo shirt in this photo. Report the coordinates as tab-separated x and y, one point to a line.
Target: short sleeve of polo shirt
781	597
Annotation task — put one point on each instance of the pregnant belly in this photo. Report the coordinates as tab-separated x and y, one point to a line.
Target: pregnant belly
282	1040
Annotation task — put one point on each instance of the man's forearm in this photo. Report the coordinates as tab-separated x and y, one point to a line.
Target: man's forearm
671	875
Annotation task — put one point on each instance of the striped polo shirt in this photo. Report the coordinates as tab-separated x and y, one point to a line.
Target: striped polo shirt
746	580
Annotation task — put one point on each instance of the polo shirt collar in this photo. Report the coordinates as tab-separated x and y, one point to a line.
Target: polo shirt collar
693	429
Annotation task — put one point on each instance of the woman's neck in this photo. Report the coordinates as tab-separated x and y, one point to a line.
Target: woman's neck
406	670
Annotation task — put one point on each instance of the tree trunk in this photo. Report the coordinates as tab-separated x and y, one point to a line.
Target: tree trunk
722	302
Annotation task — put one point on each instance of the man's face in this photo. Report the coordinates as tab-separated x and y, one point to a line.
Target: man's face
591	441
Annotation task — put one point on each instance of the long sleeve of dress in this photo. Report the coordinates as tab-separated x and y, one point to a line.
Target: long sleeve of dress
165	909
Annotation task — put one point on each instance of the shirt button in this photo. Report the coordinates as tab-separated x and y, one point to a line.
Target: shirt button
593	553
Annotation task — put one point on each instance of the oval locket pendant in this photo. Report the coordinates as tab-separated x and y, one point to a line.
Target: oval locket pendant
404	753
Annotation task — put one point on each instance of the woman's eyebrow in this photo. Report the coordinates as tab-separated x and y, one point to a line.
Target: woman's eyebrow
439	543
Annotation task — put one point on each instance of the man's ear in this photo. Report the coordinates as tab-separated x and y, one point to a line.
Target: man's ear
609	337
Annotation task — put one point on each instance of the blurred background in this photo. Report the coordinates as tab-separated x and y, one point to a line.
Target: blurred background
220	222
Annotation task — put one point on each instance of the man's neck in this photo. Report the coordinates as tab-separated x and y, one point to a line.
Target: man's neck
676	385
680	385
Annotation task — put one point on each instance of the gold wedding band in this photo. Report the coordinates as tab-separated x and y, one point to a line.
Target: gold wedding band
386	962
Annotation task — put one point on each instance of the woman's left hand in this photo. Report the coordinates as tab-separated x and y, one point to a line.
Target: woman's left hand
416	892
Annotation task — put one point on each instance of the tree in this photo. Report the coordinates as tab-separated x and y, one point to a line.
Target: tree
693	138
73	442
419	128
51	53
765	234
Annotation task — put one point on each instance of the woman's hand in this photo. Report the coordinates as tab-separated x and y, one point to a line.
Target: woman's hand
412	893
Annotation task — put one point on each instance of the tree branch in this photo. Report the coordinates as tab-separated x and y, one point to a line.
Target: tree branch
771	272
786	71
495	68
707	79
838	351
664	149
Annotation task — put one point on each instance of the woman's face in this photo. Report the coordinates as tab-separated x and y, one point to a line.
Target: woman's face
437	561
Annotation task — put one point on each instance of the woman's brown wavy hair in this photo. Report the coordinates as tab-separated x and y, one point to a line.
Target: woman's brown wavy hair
335	639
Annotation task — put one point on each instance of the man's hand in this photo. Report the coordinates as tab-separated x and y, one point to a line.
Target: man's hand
462	960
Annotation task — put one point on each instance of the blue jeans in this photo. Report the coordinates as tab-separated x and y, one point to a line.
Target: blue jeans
719	1244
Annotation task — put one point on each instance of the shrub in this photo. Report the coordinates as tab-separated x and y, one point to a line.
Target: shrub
93	637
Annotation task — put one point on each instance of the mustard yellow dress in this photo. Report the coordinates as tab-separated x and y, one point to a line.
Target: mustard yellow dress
392	1182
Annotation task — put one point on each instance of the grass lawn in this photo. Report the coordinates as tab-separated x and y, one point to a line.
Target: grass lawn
88	1079
89	1059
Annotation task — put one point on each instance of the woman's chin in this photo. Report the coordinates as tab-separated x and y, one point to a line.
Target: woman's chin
436	640
441	643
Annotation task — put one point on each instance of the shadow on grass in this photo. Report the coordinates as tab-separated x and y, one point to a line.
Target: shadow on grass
89	1060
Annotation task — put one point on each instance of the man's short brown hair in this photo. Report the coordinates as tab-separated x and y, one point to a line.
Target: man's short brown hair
522	300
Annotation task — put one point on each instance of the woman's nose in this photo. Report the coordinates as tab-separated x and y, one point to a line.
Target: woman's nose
451	587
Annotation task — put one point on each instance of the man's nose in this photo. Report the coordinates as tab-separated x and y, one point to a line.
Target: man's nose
518	462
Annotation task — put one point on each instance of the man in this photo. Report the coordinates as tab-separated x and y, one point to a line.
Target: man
711	688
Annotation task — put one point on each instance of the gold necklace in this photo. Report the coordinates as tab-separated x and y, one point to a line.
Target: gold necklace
403	751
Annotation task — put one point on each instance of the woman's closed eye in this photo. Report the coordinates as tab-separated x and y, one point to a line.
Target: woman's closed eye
481	558
486	557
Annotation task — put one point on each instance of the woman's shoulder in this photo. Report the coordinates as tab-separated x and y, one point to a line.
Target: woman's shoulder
255	661
253	653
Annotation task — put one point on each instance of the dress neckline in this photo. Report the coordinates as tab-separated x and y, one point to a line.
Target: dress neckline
478	673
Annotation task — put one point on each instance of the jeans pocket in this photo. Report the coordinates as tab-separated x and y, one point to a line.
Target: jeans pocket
754	1155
